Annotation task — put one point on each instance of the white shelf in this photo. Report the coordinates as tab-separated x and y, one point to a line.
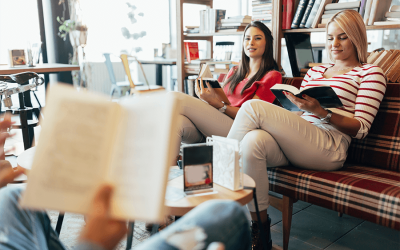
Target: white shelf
239	33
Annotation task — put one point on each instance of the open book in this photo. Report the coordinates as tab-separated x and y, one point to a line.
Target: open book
324	94
87	140
206	75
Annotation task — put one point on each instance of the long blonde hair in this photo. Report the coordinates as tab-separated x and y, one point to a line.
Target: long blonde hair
351	22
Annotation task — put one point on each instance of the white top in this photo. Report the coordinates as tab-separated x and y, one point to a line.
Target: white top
361	91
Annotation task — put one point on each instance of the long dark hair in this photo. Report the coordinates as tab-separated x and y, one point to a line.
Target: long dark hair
267	63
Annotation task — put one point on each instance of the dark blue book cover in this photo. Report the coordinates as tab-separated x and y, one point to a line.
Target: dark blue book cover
299	14
324	94
307	13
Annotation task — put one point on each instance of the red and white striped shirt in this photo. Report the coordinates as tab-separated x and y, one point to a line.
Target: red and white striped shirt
361	91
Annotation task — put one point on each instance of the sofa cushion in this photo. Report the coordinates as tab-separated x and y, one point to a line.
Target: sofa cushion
368	193
381	147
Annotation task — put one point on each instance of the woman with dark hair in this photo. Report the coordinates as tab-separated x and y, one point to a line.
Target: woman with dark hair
252	79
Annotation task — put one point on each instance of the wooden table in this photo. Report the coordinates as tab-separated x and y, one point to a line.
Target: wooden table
184	205
44	68
159	62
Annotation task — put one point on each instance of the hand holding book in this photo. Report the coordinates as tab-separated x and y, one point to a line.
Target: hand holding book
324	95
306	103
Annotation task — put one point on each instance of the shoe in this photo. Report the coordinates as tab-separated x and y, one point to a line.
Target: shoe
168	220
256	241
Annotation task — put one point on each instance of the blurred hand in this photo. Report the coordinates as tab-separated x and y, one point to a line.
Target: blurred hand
308	104
5	124
100	228
7	174
207	94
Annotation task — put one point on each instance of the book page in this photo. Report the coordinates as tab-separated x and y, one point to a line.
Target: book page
74	150
285	87
141	159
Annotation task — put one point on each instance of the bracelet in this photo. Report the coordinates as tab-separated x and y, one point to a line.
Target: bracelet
327	118
223	109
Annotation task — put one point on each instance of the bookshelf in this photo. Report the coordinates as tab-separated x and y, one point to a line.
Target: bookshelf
278	32
181	37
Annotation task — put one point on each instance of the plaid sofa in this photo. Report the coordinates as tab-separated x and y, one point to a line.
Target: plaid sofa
368	186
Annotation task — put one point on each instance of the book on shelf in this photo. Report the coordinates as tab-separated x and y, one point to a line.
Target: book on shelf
192	50
324	94
301	8
321	25
125	144
319	13
395	8
313	13
387	22
238	29
206	75
324	20
262	8
284	13
395	14
346	5
336	11
367	12
253	3
307	13
232	25
372	14
382	8
239	17
210	20
362	7
291	5
236	20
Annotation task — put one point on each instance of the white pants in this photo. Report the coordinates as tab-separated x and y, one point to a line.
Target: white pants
271	136
197	119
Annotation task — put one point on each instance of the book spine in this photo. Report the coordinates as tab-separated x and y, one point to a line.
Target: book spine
367	11
313	13
348	5
299	14
362	7
372	15
289	16
307	13
220	15
395	8
284	13
392	14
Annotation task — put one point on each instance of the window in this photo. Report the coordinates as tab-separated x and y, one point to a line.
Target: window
18	26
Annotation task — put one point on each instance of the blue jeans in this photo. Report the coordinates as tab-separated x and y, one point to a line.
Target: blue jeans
213	221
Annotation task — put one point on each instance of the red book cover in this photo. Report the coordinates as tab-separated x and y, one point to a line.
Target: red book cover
284	13
290	13
192	51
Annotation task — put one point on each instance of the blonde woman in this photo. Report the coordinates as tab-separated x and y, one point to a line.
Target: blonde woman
317	138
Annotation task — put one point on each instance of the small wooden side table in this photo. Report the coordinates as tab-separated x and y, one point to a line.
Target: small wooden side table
184	205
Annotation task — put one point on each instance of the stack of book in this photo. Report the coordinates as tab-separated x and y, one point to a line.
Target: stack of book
391	17
389	62
262	11
192	29
210	20
333	8
234	24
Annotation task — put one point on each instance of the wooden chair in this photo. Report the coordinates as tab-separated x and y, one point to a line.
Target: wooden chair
147	88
